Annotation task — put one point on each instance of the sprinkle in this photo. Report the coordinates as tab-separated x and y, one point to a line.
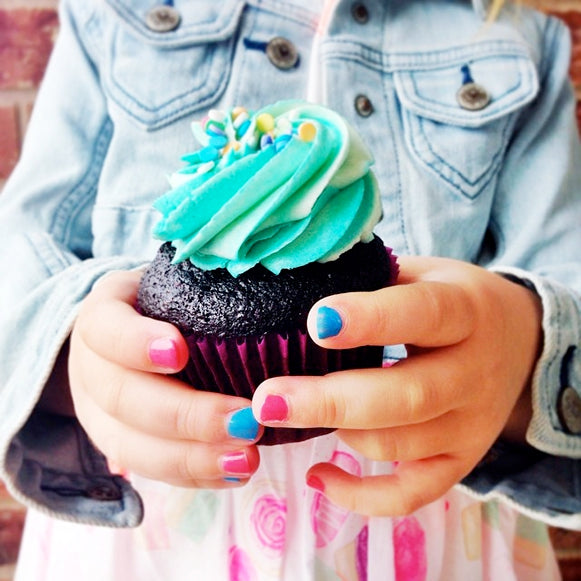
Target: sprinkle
281	141
237	111
214	127
218	141
265	141
216	115
265	122
251	139
307	131
231	145
191	157
242	128
240	119
209	154
283	125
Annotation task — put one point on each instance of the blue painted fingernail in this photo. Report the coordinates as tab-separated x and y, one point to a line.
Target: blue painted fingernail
328	322
231	479
243	425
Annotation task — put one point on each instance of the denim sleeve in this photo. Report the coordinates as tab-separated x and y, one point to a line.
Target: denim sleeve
47	267
537	236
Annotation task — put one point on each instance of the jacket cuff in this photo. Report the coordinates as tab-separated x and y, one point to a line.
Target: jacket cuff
56	470
556	386
47	461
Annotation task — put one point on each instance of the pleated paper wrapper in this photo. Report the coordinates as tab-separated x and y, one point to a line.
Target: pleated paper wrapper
237	366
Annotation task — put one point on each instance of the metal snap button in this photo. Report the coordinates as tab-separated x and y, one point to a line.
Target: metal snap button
282	53
359	12
570	410
363	105
162	19
104	492
472	96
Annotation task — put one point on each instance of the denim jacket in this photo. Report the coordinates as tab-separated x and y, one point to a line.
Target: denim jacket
488	175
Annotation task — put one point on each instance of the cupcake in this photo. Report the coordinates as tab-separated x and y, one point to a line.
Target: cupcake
275	211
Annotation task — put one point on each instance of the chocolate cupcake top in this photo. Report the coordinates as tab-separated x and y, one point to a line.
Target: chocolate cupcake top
213	303
282	187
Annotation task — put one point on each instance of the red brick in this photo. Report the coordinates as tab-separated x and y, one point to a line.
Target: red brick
11	526
573	21
9	140
26	40
570	569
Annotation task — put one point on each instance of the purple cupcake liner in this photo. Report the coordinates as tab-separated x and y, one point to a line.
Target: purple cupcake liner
237	366
393	266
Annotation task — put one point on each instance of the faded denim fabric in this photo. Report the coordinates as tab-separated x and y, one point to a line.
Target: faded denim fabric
497	186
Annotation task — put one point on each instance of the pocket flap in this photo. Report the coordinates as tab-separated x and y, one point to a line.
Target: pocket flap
504	70
201	22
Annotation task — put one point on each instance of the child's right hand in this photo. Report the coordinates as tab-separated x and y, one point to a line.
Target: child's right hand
141	419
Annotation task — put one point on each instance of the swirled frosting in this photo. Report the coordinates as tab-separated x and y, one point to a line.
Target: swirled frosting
283	187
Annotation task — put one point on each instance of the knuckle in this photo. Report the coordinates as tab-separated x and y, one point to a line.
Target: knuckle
189	468
382	446
379	316
186	467
449	308
112	396
332	410
411	500
439	307
186	419
420	399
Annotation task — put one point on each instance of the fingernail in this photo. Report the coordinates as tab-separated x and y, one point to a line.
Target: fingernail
242	424
316	483
231	479
328	322
274	409
163	353
235	463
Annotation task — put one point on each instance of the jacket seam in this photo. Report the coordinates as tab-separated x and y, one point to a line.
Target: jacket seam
87	186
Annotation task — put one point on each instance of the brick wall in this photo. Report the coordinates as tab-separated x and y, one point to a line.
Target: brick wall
27	30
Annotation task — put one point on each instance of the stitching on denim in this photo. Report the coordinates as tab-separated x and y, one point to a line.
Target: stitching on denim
291	11
199	97
392	104
553	342
183	33
69	209
250	17
48	253
486	177
482	115
420	60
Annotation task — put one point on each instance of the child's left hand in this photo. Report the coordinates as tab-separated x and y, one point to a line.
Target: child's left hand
473	339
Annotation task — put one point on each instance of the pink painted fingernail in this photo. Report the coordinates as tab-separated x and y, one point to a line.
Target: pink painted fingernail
163	353
235	463
274	409
316	483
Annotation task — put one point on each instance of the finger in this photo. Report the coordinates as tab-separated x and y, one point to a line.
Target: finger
168	408
110	326
412	391
189	463
424	313
447	434
411	486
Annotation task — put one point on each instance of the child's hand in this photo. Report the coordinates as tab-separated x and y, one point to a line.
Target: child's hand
473	339
138	417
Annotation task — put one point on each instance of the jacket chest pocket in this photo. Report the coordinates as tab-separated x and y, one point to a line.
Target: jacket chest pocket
458	116
164	62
